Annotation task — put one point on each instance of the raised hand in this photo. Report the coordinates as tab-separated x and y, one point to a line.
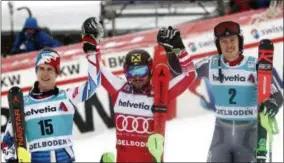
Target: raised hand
92	33
170	39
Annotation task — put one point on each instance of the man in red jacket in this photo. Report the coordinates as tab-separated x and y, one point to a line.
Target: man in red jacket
133	98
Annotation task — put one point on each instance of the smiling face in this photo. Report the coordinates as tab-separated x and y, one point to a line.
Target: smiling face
230	47
46	76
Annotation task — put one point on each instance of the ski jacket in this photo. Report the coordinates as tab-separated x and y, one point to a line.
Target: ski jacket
49	121
133	115
236	97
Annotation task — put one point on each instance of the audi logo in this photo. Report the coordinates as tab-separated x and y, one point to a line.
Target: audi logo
134	124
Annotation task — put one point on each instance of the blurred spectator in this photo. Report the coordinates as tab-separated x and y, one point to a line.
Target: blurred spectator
245	5
33	38
239	6
257	4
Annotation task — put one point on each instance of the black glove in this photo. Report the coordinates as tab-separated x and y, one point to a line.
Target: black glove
92	33
170	39
269	107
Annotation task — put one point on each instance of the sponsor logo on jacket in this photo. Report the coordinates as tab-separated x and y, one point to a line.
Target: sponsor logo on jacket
46	109
230	78
140	105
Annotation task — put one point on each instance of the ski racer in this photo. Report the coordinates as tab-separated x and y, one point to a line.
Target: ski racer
133	98
49	112
233	79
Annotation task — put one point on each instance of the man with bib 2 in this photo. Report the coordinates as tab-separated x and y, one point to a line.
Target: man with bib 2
233	79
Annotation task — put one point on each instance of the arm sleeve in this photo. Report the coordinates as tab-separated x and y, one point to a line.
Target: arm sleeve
181	82
202	68
275	93
97	74
111	82
7	144
173	63
83	92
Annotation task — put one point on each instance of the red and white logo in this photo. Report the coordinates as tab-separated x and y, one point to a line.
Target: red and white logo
76	92
63	107
132	124
251	78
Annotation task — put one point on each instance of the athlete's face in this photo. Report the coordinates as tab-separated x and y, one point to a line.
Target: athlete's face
230	47
139	82
138	75
46	76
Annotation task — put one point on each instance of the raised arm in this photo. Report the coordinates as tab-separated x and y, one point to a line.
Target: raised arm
202	68
84	91
92	33
170	39
181	82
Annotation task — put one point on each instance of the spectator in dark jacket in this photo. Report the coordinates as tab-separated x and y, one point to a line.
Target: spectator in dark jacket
246	5
33	38
257	4
239	6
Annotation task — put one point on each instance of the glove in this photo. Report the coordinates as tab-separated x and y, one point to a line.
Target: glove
92	33
269	107
170	39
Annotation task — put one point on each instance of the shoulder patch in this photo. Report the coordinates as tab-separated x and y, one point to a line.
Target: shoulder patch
252	62
26	99
75	92
61	93
214	60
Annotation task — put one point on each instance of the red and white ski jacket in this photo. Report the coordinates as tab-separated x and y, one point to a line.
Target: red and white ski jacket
133	115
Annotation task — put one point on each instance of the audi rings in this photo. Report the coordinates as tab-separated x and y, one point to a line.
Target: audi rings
122	124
